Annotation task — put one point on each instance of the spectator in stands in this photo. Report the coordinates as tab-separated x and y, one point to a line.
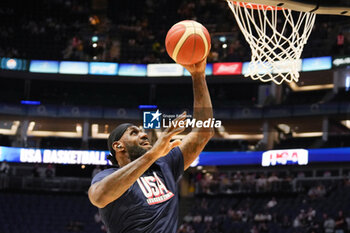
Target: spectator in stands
273	178
208	218
272	203
247	216
300	220
254	229
75	226
249	182
340	223
4	168
75	49
188	217
346	182
185	228
261	183
347	219
262	217
214	54
242	215
35	171
316	192
237	181
286	222
4	172
314	227
297	222
310	215
197	218
272	182
222	211
234	215
327	174
301	174
340	43
198	179
328	224
214	184
205	183
225	183
263	228
49	172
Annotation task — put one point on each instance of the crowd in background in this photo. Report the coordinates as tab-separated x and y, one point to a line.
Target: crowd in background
253	182
314	207
74	30
306	220
40	29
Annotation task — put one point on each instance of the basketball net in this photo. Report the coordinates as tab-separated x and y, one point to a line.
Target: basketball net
276	37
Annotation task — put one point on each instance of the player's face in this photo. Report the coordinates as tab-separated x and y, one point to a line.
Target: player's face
136	142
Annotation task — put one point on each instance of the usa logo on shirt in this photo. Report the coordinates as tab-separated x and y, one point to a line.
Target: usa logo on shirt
154	189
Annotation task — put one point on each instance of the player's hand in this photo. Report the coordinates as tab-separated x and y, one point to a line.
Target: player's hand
163	145
197	69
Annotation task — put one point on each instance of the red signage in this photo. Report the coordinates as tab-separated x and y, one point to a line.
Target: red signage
227	68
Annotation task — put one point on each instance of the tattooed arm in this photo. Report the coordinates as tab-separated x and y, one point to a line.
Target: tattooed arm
196	140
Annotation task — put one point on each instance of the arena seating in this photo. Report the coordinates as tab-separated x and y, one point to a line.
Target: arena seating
296	211
63	30
46	212
237	213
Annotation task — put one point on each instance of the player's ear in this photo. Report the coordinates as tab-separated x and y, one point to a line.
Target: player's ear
118	146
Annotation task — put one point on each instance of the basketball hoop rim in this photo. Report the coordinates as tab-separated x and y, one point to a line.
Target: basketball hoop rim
255	6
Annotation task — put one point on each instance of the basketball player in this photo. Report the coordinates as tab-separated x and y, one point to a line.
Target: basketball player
141	195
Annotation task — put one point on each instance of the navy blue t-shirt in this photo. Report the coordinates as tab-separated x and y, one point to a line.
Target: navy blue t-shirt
151	203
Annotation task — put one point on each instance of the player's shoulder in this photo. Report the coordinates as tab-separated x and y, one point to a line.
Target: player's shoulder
102	174
173	154
108	170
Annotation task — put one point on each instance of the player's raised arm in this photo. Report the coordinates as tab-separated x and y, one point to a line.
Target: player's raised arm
195	141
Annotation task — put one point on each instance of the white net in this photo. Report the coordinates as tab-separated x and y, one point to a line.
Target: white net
276	37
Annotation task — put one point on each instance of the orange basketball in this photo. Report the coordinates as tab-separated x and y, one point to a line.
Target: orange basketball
187	42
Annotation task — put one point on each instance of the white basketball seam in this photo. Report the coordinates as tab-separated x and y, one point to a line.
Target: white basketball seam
187	33
201	34
193	24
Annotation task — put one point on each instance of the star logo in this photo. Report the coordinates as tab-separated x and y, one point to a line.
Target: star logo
151	120
156	115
